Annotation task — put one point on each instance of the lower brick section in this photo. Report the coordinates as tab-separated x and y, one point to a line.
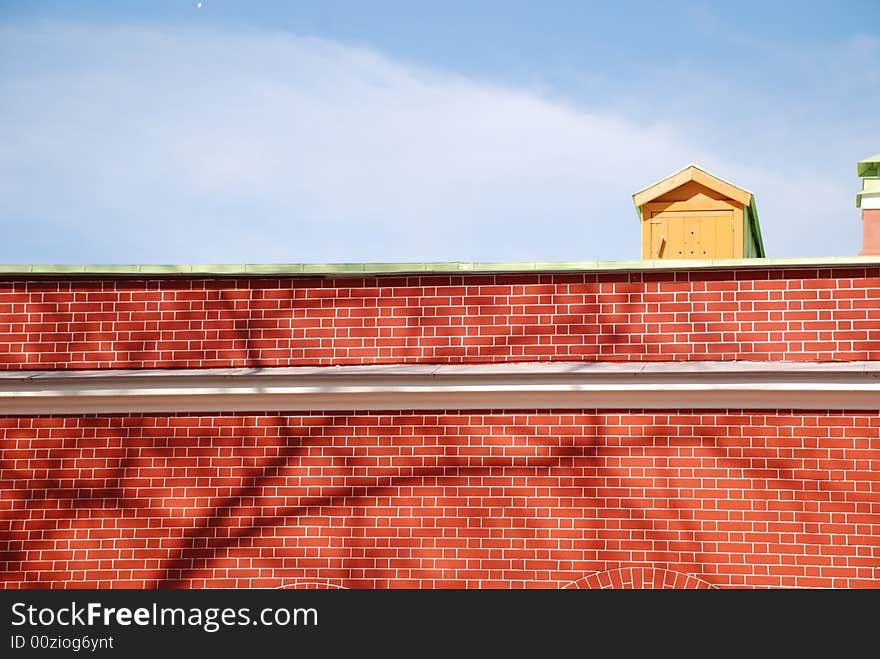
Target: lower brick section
489	499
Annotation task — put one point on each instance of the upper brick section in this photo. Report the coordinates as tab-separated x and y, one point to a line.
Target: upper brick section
810	314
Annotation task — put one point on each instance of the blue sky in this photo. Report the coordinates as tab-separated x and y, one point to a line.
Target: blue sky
158	132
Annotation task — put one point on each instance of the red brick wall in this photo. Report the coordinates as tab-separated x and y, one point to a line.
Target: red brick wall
814	314
483	499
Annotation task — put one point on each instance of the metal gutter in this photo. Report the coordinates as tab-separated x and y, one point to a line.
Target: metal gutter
558	385
440	268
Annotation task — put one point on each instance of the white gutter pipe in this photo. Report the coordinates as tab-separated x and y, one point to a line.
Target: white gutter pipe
556	385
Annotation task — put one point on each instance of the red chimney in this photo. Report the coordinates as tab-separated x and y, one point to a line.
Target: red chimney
869	201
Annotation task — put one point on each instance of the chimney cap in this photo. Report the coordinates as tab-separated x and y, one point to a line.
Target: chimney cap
869	166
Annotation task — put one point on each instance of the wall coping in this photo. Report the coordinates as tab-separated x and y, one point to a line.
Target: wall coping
452	267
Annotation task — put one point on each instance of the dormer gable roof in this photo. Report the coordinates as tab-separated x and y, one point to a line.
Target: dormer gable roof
696	174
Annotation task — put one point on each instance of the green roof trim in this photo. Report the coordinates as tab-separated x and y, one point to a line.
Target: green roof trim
452	267
756	226
869	166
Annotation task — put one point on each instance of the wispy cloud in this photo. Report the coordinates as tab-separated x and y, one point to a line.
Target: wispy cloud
119	144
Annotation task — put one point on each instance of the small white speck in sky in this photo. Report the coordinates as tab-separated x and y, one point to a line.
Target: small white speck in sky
199	5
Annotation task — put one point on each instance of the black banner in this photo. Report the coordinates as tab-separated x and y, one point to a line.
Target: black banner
417	622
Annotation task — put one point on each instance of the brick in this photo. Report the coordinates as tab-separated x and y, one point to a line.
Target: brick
180	323
488	499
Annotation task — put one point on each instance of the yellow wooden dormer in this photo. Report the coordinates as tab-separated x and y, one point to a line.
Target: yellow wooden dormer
695	215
